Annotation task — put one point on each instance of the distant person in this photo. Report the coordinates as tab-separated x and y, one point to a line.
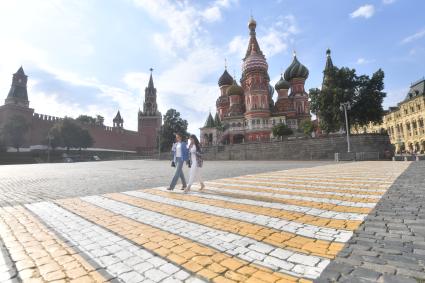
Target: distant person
181	154
196	162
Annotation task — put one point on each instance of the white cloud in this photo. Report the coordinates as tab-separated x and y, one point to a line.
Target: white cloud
363	61
183	85
272	42
365	11
184	21
387	2
212	14
414	37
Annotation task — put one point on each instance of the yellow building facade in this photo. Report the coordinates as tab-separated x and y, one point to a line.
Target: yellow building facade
404	123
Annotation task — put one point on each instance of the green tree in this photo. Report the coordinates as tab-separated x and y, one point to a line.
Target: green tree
173	123
85	140
100	120
343	85
14	131
369	99
307	126
54	137
84	119
68	133
281	130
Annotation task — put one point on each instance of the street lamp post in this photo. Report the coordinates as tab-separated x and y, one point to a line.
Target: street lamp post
49	137
344	107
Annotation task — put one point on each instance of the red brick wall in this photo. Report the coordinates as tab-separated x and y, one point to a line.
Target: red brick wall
104	137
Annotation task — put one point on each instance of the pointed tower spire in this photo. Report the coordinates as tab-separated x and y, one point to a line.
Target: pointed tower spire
150	85
253	46
18	94
150	107
329	64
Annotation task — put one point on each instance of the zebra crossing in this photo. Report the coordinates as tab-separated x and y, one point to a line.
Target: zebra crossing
283	226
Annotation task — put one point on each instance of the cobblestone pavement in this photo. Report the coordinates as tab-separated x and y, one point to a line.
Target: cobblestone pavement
38	182
281	226
390	245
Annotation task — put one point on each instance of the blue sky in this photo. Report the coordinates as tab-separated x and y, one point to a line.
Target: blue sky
93	56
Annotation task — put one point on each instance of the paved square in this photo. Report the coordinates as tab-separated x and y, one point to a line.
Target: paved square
279	226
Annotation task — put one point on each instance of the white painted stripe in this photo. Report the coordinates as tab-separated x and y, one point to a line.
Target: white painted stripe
292	197
307	230
326	176
265	255
289	207
321	180
324	185
121	258
235	182
7	270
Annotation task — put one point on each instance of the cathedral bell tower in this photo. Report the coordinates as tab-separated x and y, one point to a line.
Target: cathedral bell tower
150	119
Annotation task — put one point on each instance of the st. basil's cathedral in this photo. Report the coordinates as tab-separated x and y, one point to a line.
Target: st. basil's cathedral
247	112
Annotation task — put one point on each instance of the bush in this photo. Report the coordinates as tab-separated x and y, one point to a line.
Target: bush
281	130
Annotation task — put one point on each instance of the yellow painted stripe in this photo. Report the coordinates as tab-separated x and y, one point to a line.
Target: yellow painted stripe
204	261
330	180
318	195
271	236
324	206
285	185
273	212
38	253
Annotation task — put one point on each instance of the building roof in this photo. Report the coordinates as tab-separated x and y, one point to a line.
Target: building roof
118	117
210	122
225	79
296	70
329	64
416	89
234	89
282	84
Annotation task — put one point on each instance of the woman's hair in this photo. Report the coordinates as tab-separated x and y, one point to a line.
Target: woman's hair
197	144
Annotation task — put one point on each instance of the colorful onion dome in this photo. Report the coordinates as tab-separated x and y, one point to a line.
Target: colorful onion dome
282	84
254	61
234	89
225	79
296	70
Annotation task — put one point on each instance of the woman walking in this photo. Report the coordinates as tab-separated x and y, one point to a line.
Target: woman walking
181	154
196	163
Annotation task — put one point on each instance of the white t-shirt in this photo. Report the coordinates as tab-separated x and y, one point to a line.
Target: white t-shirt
179	149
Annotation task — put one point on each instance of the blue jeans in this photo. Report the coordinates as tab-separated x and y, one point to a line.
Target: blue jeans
178	174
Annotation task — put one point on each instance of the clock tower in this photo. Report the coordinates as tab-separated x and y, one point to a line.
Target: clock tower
150	119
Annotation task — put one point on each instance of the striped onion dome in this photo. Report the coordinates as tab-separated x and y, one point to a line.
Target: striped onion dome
296	70
282	84
254	61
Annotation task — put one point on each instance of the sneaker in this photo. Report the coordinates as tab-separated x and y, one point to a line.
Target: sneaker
183	188
186	190
169	189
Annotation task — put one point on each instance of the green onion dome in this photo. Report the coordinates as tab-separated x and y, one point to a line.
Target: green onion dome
282	84
296	70
234	89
